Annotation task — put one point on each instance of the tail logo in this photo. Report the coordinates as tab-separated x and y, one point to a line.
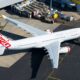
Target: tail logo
4	42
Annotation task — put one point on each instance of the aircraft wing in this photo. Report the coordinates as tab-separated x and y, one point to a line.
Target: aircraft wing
34	31
53	50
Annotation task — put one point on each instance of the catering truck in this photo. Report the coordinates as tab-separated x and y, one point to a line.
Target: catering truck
5	3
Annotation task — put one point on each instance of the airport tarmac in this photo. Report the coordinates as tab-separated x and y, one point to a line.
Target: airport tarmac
34	64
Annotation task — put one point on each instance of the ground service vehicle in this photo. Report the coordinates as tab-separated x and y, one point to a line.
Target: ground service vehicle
38	10
35	9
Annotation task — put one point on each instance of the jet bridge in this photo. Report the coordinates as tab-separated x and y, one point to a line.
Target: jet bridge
4	3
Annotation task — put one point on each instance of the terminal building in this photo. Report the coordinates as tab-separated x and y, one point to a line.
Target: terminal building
5	3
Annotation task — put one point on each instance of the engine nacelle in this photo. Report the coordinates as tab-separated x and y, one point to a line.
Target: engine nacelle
66	49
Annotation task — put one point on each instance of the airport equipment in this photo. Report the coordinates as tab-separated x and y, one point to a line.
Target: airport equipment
5	3
61	15
65	16
75	4
36	9
65	3
32	8
62	3
50	41
21	10
58	14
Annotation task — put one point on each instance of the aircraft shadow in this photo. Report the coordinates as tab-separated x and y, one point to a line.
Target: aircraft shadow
36	59
12	35
28	67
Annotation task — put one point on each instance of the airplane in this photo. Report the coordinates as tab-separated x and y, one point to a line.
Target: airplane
50	41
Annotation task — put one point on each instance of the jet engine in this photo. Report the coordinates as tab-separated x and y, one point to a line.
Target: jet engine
66	49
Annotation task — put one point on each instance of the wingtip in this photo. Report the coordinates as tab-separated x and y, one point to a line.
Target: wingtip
3	16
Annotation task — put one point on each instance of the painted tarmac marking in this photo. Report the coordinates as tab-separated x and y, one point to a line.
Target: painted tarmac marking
53	78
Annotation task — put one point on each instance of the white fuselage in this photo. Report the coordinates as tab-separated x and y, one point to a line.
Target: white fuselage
43	40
